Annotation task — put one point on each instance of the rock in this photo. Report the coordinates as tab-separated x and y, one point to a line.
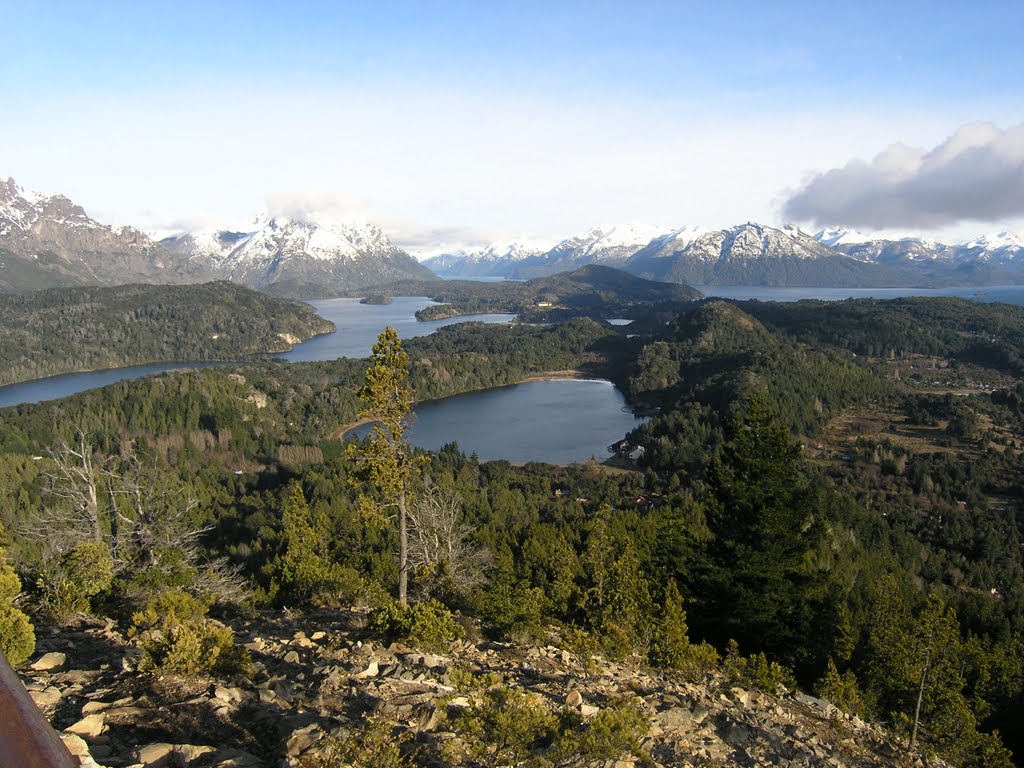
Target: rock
738	735
372	670
303	739
292	657
46	698
91	707
229	695
427	719
319	635
589	711
189	752
741	697
675	720
76	746
155	755
574	699
89	727
236	758
49	662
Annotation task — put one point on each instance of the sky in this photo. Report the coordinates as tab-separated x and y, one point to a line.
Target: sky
457	123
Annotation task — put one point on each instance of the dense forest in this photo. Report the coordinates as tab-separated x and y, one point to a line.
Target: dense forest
830	496
44	333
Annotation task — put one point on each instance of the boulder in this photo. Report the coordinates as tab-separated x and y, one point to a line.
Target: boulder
372	670
79	749
46	698
574	699
155	755
49	662
89	727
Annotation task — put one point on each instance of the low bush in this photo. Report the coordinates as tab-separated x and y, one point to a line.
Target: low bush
428	625
17	637
175	636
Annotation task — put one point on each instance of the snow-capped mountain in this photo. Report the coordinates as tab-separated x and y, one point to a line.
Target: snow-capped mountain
492	260
48	241
748	254
610	245
309	257
999	246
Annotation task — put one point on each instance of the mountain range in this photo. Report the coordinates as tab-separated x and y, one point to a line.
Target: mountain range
50	241
755	254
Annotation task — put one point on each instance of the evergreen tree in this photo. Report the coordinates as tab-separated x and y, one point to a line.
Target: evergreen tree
756	583
386	461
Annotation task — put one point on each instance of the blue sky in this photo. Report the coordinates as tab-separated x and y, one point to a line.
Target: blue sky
467	121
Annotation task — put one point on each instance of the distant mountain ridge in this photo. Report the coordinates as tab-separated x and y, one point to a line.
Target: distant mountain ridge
310	257
755	254
47	241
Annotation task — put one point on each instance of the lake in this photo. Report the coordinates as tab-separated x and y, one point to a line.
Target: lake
555	421
1010	294
358	326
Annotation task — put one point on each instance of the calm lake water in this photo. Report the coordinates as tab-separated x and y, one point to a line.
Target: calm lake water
558	422
358	326
1010	294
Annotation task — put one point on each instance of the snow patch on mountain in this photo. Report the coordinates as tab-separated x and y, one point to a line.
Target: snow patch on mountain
839	236
996	241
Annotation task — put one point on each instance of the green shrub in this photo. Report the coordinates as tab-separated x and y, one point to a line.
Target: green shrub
432	626
428	625
371	745
17	637
68	584
175	636
841	690
505	726
616	731
756	671
512	606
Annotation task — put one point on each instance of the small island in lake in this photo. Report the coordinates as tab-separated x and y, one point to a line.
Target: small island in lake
382	299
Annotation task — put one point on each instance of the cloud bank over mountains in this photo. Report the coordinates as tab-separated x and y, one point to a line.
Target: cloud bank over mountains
977	174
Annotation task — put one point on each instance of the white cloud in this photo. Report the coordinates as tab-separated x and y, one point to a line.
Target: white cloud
977	174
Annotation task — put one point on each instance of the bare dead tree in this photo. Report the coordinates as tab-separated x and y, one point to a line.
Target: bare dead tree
441	542
73	481
143	517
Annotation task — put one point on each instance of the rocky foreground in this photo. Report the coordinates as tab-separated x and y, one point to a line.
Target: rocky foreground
319	675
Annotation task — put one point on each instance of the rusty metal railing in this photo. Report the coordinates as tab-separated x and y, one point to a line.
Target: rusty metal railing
26	738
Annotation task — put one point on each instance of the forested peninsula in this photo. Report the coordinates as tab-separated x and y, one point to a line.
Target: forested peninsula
592	291
62	330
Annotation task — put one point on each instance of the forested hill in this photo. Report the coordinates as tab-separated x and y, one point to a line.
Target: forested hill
60	330
593	290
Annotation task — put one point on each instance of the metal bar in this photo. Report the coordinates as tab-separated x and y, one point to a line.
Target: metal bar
27	740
